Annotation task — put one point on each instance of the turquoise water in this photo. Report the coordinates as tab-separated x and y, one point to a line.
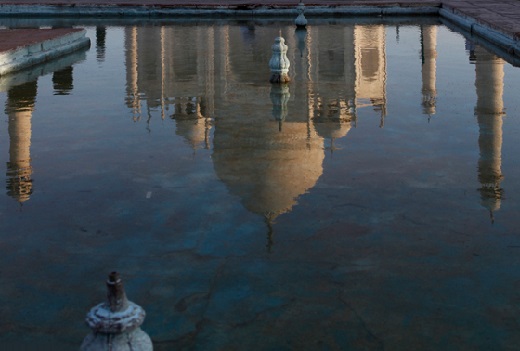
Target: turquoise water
371	203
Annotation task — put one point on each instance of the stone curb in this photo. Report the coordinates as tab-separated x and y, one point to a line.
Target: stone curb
33	54
504	41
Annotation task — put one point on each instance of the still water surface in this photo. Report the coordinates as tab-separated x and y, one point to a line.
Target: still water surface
371	203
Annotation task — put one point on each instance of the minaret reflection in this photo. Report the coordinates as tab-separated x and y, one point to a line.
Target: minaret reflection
369	42
101	33
429	56
62	81
19	109
489	83
132	92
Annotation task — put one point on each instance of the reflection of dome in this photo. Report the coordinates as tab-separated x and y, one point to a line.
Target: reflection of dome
266	167
195	131
190	122
332	130
334	123
333	120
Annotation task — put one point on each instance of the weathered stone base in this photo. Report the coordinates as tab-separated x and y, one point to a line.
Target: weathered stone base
136	340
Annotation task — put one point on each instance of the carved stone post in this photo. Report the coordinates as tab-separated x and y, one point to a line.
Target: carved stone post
279	63
116	323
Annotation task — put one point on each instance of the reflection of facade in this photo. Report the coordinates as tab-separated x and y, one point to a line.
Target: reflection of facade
172	81
19	109
429	57
331	74
489	83
352	62
266	157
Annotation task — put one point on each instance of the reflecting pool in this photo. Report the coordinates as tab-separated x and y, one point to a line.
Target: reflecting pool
372	203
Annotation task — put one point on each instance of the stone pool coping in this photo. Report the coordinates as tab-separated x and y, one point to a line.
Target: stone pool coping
23	48
495	21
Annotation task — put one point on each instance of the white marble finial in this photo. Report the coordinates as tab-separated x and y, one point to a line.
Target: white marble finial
279	63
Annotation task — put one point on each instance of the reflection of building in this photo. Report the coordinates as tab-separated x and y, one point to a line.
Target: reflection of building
62	81
101	33
429	56
371	67
218	75
350	62
267	157
266	167
19	108
167	70
331	93
489	83
190	121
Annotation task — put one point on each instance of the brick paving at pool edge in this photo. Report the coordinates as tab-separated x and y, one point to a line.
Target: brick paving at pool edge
11	39
500	15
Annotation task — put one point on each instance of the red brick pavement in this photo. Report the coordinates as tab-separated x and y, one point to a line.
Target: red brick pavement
14	38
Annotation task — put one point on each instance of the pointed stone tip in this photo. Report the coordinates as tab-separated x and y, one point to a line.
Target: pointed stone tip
117	300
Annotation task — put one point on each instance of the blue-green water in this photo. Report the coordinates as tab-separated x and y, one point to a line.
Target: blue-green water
371	203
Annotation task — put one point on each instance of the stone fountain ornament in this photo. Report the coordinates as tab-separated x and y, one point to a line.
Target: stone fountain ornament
279	63
116	323
300	21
